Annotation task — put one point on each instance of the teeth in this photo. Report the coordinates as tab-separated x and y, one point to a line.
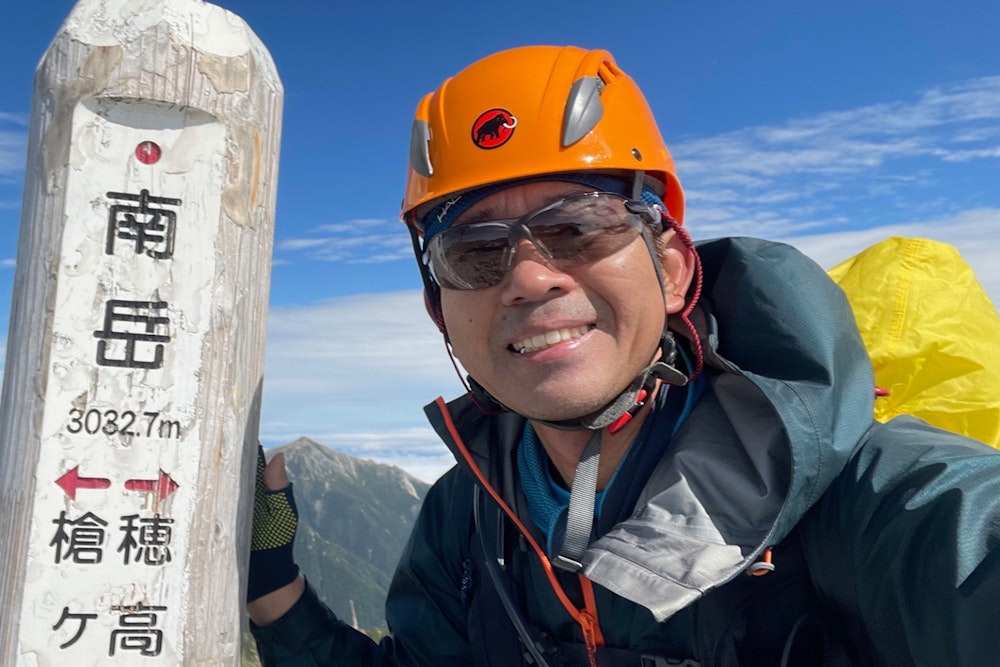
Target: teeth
548	339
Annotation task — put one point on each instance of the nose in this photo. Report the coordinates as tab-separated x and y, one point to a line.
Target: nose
531	276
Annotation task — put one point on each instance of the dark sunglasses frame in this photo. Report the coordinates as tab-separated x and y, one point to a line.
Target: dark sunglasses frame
511	231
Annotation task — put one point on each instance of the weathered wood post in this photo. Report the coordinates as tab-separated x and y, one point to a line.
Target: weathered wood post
135	358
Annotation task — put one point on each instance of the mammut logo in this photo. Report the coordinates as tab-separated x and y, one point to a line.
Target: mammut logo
493	128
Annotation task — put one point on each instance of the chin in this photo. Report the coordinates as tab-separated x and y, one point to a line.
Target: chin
538	407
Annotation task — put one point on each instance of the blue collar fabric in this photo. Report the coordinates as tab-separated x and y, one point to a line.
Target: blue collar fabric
548	500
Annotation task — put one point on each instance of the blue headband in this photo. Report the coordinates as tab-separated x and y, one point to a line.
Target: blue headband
444	214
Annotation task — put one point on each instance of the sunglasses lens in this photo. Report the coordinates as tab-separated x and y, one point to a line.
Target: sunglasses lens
584	229
470	256
577	230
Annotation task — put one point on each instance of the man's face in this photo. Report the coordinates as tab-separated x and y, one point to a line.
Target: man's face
556	344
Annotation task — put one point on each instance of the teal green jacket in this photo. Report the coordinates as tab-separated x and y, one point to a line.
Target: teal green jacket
881	542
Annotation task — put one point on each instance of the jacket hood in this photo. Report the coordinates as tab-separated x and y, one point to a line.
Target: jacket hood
773	316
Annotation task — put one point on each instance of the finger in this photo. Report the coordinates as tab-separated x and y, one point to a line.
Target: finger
275	475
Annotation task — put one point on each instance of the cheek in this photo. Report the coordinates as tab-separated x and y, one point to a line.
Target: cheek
465	323
633	294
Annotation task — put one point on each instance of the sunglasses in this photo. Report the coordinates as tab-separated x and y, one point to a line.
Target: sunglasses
570	232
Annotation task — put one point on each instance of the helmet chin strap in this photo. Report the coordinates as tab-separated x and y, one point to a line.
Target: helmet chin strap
613	416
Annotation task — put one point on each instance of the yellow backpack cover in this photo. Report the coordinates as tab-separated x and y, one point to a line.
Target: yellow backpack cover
932	332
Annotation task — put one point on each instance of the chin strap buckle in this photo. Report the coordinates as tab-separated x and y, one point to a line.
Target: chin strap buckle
664	369
669	374
619	424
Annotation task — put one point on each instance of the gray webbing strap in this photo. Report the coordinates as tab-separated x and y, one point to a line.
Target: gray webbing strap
580	516
637	182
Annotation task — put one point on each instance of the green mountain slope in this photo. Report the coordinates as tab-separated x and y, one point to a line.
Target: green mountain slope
354	519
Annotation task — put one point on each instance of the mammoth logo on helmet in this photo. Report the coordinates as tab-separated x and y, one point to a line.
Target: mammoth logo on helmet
493	128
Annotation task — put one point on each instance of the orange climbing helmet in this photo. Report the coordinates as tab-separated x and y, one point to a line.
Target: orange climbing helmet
531	111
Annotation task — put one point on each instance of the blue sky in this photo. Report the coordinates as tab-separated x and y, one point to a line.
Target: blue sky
828	125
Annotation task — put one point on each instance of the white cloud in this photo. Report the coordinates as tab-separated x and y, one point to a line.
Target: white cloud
360	241
14	118
13	143
974	233
354	373
965	156
300	244
419	451
876	165
353	226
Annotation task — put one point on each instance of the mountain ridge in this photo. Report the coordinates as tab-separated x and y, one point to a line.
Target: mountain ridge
355	516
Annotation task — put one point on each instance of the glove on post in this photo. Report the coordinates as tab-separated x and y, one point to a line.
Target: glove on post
275	519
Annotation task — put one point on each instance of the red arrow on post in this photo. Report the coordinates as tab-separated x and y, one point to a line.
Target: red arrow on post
163	485
72	481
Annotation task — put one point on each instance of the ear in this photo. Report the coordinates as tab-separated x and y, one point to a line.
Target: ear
678	263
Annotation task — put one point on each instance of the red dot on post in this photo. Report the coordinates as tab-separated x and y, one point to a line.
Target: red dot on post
148	152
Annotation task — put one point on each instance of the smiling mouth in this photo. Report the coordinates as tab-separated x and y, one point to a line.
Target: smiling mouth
548	339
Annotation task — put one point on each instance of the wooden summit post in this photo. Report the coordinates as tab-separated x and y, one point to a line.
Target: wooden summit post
135	359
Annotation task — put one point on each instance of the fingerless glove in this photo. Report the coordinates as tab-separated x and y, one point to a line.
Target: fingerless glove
275	520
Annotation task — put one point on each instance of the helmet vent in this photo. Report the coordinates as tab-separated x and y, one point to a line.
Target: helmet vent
583	109
420	156
607	71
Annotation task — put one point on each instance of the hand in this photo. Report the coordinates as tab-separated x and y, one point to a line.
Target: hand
275	520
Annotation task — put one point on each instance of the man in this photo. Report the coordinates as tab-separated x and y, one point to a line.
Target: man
647	425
